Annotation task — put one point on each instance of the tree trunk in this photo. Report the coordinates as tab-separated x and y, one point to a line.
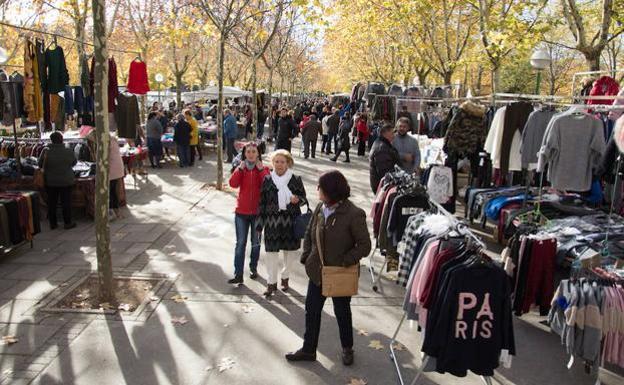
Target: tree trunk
495	79
270	88
80	44
592	58
102	231
220	112
254	104
447	77
479	83
178	80
422	77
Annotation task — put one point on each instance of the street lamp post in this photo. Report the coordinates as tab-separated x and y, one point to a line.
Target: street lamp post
159	79
540	60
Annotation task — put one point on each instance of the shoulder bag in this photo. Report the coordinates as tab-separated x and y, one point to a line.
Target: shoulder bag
39	174
301	223
336	281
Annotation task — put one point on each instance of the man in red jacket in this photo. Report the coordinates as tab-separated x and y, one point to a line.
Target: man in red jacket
248	178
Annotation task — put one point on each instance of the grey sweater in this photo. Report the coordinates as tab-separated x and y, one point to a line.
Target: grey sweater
572	147
533	134
407	145
153	129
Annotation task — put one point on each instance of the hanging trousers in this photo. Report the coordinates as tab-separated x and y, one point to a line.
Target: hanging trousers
272	260
314	311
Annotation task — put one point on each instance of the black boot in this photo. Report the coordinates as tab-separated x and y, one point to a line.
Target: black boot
347	356
285	284
271	288
253	274
300	355
236	280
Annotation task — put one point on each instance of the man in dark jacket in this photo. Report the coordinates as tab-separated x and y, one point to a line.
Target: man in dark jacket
286	126
182	139
333	122
310	133
57	162
383	157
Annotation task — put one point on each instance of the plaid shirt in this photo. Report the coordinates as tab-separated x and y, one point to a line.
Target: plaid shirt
407	247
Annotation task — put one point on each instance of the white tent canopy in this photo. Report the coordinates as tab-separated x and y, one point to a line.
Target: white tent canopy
228	92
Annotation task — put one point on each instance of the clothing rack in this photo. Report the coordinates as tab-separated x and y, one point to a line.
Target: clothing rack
462	228
8	250
57	35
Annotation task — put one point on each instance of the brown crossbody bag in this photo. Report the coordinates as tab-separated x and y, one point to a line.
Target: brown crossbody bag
336	281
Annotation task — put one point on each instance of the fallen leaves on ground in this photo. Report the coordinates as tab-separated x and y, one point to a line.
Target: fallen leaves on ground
225	364
106	306
154	298
8	340
357	381
248	309
179	320
398	346
178	298
125	307
362	332
376	344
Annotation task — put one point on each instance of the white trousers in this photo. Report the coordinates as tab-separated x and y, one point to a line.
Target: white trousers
272	261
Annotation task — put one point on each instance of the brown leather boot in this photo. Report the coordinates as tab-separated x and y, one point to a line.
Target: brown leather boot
271	288
285	284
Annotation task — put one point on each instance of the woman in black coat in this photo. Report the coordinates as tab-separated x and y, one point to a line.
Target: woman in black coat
281	196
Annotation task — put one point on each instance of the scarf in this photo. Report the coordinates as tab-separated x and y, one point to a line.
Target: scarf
283	192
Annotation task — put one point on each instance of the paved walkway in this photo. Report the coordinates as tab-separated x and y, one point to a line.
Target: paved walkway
184	231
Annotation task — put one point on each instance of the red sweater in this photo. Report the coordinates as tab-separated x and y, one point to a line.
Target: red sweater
362	128
249	183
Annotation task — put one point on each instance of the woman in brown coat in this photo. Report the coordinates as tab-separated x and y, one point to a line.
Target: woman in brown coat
345	240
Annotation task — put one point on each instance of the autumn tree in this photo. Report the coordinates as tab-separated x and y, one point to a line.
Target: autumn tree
225	15
506	26
440	34
592	29
144	19
253	37
179	34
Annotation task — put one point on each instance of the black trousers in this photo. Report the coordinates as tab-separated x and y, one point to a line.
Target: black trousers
231	149
113	201
54	194
306	148
314	310
339	150
195	148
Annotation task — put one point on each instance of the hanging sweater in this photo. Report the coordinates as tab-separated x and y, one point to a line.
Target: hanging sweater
533	135
58	77
572	147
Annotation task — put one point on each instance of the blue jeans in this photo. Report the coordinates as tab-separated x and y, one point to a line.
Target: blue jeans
330	139
244	224
184	155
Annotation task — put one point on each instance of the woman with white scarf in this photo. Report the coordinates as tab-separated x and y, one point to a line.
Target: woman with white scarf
280	198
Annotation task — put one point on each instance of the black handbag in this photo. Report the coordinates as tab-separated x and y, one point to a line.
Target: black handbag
301	223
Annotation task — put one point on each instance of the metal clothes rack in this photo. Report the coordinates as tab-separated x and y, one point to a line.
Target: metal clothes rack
57	35
461	227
